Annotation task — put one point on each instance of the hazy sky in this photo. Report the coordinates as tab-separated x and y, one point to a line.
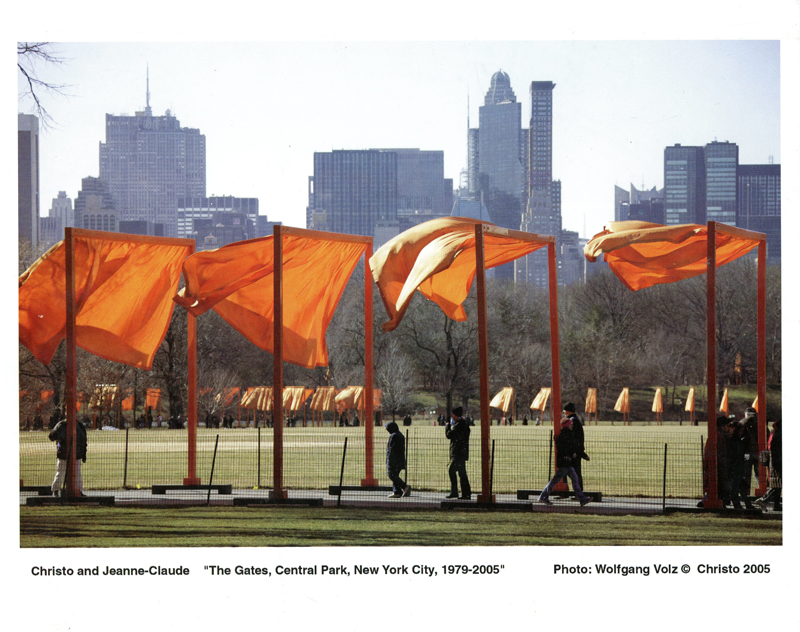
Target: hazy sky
265	108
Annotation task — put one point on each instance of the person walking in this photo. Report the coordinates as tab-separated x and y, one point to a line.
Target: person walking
580	441
566	456
775	455
396	460
59	435
457	430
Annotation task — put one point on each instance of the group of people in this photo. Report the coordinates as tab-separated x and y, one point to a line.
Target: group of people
738	458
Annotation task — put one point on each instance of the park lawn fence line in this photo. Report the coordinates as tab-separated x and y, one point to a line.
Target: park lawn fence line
625	461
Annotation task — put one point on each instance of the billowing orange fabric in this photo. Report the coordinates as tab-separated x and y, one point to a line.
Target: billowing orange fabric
723	405
591	401
324	399
127	403
229	394
295	396
540	401
258	398
642	254
123	292
503	399
690	401
45	395
236	281
658	404
438	259
623	404
351	397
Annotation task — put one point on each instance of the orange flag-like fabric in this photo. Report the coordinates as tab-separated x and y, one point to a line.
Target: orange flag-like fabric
591	401
540	401
258	398
723	405
236	281
658	402
503	399
642	254
438	259
623	404
690	401
324	398
123	298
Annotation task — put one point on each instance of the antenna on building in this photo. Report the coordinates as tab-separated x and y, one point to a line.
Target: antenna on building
771	159
147	109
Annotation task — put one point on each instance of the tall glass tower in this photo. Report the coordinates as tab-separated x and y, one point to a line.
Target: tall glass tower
148	162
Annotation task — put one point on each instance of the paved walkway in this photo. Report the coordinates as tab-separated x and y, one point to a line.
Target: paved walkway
417	500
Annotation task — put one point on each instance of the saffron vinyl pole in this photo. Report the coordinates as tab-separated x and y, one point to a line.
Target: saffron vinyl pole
191	422
555	364
369	414
72	364
761	324
483	354
277	370
713	501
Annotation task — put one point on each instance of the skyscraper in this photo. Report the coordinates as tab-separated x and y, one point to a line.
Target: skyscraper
760	204
684	185
28	178
722	161
543	208
61	215
148	162
94	206
353	192
498	158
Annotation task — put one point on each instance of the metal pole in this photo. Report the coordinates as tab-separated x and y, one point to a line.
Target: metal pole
341	474
211	476
483	354
258	477
664	490
491	472
125	471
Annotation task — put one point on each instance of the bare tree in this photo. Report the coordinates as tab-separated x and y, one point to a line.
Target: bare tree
396	377
29	55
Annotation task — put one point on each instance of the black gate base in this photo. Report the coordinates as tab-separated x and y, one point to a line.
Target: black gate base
525	494
38	501
220	489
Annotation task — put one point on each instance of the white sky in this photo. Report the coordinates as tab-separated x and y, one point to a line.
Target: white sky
266	107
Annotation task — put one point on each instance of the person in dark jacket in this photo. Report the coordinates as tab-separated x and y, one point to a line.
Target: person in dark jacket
457	430
396	460
749	435
59	435
577	431
775	455
567	453
723	477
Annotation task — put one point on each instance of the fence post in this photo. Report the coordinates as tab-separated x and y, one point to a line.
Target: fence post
211	476
341	474
258	477
664	489
125	470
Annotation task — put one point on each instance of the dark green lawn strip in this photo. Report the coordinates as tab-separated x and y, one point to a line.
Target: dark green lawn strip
202	527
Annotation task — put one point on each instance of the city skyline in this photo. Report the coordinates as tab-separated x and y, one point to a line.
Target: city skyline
617	106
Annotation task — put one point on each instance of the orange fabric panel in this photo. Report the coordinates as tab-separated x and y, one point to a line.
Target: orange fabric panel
229	394
503	399
236	281
623	404
295	396
754	405
258	398
642	254
127	403
123	294
324	398
376	398
351	397
438	259
723	406
591	401
540	401
690	401
658	403
45	395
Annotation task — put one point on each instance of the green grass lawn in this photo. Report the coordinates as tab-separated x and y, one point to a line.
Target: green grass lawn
625	460
294	526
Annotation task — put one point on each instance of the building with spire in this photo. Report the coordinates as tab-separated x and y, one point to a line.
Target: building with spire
498	158
149	162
